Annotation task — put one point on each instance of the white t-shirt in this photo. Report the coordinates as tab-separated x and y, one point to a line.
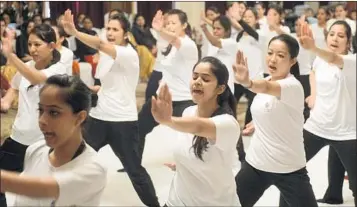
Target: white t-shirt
67	59
81	181
253	52
178	67
227	54
25	129
334	113
209	182
161	45
265	35
263	22
277	145
305	58
119	78
349	22
234	33
319	35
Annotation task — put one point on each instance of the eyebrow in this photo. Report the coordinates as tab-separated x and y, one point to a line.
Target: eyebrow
51	106
204	74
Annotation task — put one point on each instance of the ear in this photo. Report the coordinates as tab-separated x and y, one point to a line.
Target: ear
81	116
293	61
221	89
52	45
184	26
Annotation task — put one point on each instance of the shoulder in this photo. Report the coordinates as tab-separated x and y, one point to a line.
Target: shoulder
190	111
37	149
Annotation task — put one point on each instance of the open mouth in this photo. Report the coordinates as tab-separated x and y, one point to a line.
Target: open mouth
48	135
197	91
272	68
334	46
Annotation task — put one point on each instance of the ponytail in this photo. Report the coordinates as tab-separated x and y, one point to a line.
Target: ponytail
295	70
227	105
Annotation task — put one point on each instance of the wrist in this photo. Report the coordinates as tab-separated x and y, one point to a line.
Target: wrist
248	84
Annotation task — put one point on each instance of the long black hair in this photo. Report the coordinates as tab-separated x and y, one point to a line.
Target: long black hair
294	48
183	19
226	101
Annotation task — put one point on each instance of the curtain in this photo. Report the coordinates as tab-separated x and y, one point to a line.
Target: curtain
148	9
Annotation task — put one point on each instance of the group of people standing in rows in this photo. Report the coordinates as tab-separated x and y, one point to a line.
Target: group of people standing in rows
305	101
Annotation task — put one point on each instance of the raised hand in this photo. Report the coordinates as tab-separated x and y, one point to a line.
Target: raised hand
7	42
203	16
158	21
4	106
203	25
161	107
68	23
306	38
241	72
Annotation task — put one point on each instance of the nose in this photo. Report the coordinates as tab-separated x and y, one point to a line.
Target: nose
32	49
272	58
42	120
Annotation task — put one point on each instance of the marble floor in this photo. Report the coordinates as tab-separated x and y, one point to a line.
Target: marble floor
159	144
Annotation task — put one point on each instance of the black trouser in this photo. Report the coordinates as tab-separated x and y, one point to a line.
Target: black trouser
147	122
336	175
123	139
305	82
294	187
153	84
12	155
346	152
239	91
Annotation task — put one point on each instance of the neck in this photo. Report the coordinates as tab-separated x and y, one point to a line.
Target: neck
275	78
42	64
206	110
64	153
321	24
59	47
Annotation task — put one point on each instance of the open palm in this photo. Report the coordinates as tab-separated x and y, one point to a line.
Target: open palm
158	21
306	39
7	42
241	72
161	107
68	23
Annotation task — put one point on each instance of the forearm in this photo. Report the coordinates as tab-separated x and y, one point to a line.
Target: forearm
249	30
29	186
236	25
26	58
10	95
31	74
213	40
328	56
312	84
167	36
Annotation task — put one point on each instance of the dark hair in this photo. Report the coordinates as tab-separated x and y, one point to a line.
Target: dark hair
278	10
116	10
62	33
244	3
261	4
80	15
213	8
226	101
343	5
225	22
87	17
183	19
125	24
74	92
47	19
347	27
136	18
354	45
294	48
326	10
37	15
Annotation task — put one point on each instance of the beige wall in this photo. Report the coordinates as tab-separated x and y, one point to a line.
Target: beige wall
193	11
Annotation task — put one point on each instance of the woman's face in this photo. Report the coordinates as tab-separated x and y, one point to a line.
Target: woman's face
37	20
115	32
218	30
321	16
249	18
87	24
242	9
279	60
211	15
174	25
340	13
38	49
80	18
273	17
203	84
337	40
260	10
140	21
57	121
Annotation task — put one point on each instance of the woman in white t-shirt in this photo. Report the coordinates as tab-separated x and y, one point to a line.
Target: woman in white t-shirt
205	152
26	85
114	120
262	19
61	170
272	29
180	57
341	13
319	29
333	100
211	14
66	54
276	153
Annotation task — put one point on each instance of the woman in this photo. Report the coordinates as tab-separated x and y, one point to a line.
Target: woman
82	49
26	85
341	13
208	134
142	33
181	56
276	153
273	28
332	118
260	8
211	14
66	54
61	170
114	120
319	29
22	50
